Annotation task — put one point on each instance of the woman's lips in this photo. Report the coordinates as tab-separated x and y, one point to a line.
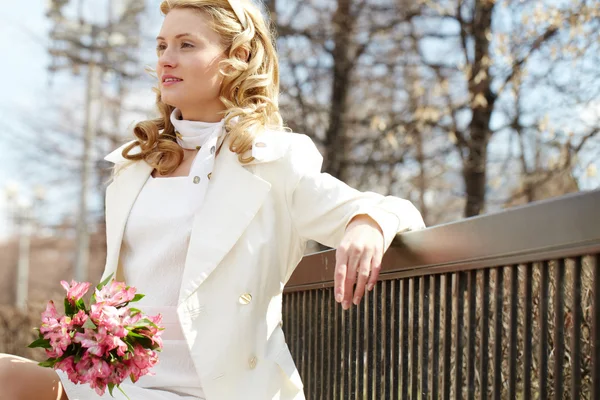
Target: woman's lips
171	83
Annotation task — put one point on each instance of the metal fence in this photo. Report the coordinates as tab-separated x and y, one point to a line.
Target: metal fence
499	306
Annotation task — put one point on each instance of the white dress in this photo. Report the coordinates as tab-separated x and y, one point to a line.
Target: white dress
155	244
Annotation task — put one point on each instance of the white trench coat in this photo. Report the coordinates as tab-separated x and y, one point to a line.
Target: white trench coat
247	238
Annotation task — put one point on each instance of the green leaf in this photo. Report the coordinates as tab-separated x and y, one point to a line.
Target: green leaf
137	297
111	386
49	363
45	343
89	324
69	309
104	282
137	335
80	304
134	311
77	356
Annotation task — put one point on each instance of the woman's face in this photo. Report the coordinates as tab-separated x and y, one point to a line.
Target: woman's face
189	52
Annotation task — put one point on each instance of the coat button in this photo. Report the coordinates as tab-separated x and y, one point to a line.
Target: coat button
198	147
212	150
281	324
209	175
245	299
196	179
252	362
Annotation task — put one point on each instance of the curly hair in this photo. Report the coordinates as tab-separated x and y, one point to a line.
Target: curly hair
249	91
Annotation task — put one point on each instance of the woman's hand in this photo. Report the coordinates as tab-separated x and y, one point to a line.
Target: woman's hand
358	260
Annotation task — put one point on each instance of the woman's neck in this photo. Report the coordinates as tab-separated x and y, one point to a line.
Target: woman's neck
203	113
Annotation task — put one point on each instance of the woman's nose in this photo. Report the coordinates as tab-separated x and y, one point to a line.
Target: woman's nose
167	59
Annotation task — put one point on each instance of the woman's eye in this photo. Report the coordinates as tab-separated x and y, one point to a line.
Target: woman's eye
187	44
160	47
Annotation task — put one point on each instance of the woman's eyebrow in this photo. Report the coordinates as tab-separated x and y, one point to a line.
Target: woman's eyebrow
176	37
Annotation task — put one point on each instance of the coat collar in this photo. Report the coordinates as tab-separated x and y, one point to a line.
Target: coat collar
233	198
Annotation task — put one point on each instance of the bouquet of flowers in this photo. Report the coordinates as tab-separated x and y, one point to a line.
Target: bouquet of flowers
104	344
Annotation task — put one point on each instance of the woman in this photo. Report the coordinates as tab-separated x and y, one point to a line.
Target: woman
209	212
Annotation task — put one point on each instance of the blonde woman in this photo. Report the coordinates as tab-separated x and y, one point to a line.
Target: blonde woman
209	212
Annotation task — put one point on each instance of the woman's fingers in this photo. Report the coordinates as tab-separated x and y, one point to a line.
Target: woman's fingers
364	270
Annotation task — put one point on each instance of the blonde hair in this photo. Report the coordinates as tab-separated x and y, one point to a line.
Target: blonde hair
250	88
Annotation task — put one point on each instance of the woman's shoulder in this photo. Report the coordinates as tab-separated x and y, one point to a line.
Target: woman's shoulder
116	155
269	145
273	145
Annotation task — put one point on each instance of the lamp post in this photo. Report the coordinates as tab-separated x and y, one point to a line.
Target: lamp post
22	211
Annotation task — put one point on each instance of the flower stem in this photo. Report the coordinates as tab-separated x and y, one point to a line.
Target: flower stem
124	394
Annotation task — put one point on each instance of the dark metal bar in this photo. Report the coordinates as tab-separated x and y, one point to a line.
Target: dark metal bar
498	333
559	327
346	354
513	344
378	348
596	329
472	305
396	327
458	355
387	328
362	327
404	351
339	371
414	356
435	367
303	340
314	322
485	323
329	345
370	346
576	332
321	348
425	339
353	352
543	323
528	332
447	334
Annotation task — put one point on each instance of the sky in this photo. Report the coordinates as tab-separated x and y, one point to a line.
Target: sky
29	90
23	67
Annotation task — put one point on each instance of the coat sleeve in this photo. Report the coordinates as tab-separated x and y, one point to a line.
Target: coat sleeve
321	206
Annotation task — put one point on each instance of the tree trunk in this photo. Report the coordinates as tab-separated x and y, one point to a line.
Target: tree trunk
336	142
474	169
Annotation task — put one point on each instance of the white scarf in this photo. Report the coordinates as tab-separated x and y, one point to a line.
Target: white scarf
193	135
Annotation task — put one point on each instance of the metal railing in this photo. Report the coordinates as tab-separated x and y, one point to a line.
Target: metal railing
500	306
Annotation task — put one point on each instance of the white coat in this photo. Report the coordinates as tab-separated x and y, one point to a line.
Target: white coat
247	238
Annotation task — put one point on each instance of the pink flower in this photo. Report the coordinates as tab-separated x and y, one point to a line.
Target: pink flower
141	362
94	371
59	337
68	366
94	342
76	290
115	293
79	318
153	333
110	317
49	318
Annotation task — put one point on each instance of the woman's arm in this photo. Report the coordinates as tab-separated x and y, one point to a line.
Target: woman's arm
359	225
322	206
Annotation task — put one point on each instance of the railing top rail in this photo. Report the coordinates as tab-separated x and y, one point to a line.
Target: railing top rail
562	227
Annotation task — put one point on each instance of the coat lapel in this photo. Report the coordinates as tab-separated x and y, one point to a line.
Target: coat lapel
120	197
233	198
